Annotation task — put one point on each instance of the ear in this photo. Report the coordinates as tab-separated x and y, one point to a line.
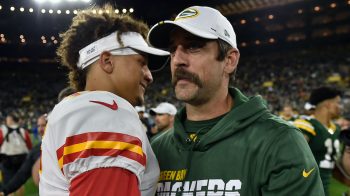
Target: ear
232	59
105	62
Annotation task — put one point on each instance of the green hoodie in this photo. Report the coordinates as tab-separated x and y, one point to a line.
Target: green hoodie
248	152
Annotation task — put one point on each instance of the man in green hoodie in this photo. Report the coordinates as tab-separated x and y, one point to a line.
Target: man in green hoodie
222	142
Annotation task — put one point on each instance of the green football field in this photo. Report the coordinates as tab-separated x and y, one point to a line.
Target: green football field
31	189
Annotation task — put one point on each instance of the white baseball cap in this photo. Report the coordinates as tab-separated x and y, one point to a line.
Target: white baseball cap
201	21
132	42
140	108
308	106
164	108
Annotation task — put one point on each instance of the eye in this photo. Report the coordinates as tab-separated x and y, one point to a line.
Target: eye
142	61
194	46
172	49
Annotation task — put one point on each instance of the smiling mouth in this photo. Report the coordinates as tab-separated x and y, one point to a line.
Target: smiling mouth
143	86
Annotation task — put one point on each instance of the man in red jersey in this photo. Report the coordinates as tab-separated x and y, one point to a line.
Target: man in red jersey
94	143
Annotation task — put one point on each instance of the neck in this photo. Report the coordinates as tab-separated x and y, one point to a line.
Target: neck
215	107
97	79
322	116
164	129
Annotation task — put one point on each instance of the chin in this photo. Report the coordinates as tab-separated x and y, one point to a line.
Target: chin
185	94
139	100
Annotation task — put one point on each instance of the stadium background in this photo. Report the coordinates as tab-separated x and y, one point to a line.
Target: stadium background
288	47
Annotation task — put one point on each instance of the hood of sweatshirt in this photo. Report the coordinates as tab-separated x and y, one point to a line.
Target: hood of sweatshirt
245	112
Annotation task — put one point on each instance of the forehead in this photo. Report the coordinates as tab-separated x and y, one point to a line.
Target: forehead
347	148
143	54
41	120
180	35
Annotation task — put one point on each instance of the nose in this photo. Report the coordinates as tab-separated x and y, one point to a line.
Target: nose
147	74
178	56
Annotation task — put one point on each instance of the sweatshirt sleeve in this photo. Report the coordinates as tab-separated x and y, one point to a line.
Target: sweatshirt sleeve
24	173
290	168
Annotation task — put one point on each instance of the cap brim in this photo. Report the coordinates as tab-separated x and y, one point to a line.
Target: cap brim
159	36
151	50
152	112
157	59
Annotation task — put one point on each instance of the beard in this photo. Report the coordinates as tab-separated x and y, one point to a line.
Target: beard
192	94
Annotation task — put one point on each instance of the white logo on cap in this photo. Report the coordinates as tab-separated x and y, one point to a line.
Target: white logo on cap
91	50
226	33
190	12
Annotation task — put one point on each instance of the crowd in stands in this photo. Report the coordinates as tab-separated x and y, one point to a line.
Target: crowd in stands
282	77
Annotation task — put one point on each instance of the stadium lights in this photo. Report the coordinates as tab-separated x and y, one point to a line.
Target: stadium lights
52	38
60	1
42	37
257	42
270	17
256	19
317	8
272	40
243	21
2	35
21	36
55	41
244	44
40	1
55	1
333	5
51	11
23	41
300	11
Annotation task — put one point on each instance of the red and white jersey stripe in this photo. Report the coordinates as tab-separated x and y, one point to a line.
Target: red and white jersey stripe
91	130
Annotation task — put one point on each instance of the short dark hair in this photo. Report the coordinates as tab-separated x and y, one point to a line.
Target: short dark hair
15	117
323	93
224	47
65	92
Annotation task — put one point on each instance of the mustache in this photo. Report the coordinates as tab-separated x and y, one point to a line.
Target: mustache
181	73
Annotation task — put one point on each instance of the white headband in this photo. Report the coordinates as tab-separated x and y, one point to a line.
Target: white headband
132	41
